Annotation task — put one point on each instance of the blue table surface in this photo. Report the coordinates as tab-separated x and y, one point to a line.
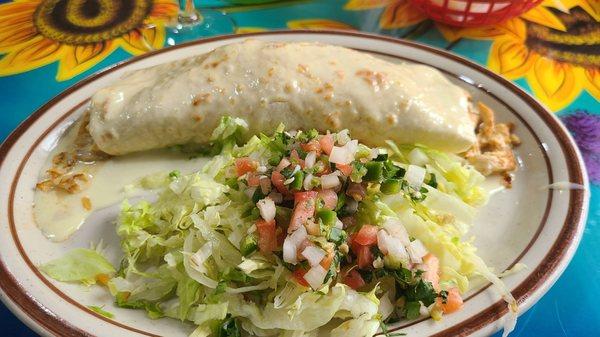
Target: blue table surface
570	307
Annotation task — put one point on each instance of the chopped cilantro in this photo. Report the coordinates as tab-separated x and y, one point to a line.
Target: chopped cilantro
412	310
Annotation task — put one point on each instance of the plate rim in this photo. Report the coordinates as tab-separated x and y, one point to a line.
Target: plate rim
553	264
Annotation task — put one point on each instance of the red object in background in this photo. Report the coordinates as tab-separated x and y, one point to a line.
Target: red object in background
473	13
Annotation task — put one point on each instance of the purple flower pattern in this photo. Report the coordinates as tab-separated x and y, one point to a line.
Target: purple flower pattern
585	128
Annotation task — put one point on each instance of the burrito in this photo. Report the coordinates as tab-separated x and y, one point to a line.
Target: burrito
303	85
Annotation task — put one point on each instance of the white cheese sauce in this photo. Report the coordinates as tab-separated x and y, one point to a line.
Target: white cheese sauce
59	214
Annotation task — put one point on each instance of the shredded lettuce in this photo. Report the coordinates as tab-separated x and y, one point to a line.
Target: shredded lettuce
79	265
186	255
101	311
454	175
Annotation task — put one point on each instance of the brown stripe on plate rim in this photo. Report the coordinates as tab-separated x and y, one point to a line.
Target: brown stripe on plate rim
558	250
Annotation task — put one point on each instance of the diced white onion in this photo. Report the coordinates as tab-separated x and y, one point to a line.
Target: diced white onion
289	181
382	243
276	197
423	310
313	254
415	176
418	157
343	137
289	251
416	250
330	181
352	146
396	250
392	246
292	133
315	276
374	153
299	235
308	182
395	228
282	164
261	169
339	224
344	154
266	207
310	160
200	257
340	155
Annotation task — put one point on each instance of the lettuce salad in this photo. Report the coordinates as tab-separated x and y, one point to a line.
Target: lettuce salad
297	232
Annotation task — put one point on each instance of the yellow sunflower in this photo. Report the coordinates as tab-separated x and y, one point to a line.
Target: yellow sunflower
553	46
78	33
557	53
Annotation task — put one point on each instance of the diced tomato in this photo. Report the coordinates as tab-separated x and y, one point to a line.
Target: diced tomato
329	198
431	274
278	181
295	158
454	301
298	275
367	235
327	260
244	165
304	208
365	257
353	279
301	197
346	169
253	179
267	236
326	142
312	146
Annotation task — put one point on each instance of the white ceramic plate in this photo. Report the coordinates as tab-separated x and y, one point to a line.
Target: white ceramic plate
528	223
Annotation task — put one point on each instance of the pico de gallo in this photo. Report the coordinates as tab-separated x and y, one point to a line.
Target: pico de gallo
300	231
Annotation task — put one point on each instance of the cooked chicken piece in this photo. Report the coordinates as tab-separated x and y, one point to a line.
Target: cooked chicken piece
492	153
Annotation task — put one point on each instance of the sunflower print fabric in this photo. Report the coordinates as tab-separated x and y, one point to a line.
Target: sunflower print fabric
78	33
555	47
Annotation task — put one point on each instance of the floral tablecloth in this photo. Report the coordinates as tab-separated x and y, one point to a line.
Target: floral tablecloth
552	51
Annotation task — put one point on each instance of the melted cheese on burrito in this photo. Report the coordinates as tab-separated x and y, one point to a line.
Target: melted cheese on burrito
303	85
